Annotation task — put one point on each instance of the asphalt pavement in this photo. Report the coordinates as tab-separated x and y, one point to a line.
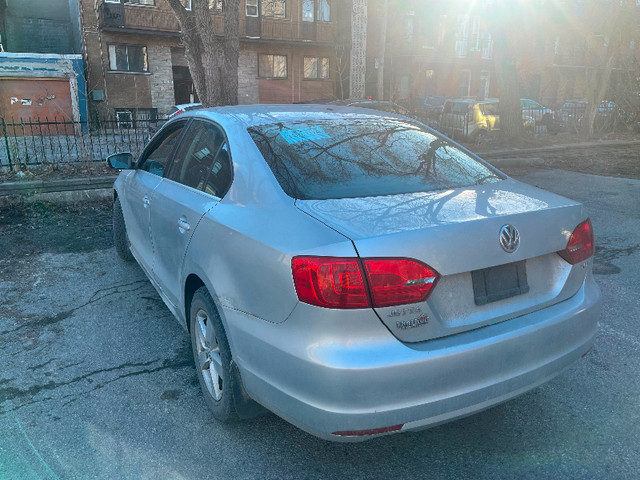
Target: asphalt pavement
98	380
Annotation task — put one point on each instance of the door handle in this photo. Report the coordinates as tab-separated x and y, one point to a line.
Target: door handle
146	201
183	226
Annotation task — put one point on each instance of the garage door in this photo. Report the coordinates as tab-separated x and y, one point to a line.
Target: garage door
37	98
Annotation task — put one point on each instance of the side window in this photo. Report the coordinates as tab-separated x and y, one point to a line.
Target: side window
195	157
156	158
219	179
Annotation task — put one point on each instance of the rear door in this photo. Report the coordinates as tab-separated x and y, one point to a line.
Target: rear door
199	176
140	187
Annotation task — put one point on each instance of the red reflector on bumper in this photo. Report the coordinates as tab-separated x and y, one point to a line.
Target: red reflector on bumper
373	431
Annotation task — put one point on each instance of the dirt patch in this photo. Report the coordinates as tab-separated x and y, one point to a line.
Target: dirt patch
612	161
30	229
50	172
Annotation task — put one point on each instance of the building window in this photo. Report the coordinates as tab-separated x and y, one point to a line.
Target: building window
464	83
124	119
316	68
462	35
148	3
272	66
274	8
487	47
483	85
307	10
251	8
128	58
216	5
324	11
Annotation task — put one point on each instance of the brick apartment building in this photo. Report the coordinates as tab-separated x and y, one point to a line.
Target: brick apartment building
445	47
136	64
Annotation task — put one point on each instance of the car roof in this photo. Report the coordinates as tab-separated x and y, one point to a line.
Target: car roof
254	115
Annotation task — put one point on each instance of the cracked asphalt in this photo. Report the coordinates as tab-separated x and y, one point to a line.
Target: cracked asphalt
98	382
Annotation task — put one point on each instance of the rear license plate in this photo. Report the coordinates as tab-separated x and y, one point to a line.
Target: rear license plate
497	283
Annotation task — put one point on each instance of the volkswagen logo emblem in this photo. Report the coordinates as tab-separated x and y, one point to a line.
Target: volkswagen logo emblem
509	238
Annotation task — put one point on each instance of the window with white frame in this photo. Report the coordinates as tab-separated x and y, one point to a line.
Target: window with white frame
251	8
272	66
274	8
462	35
128	58
316	68
124	119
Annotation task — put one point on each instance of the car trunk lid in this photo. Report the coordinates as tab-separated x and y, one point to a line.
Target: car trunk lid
457	232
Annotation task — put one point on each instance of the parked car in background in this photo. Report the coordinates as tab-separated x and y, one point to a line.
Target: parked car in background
543	118
381	105
185	107
354	272
428	109
469	118
608	115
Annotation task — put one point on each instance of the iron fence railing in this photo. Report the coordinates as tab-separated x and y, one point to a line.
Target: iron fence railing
28	142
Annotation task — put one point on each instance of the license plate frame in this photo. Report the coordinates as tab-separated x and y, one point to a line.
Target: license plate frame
500	282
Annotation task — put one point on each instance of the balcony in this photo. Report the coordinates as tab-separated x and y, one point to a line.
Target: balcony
159	21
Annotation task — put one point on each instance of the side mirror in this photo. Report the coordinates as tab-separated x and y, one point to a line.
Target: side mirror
120	161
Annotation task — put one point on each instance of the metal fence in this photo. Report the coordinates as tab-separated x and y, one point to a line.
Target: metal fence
479	121
25	143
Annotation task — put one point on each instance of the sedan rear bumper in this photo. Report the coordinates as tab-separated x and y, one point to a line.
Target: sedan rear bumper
366	380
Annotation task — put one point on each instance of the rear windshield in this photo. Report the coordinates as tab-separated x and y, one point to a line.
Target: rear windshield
460	107
344	158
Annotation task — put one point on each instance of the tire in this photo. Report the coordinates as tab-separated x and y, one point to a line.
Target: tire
211	355
120	239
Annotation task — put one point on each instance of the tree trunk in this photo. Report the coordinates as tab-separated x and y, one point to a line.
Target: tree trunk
504	32
212	58
231	48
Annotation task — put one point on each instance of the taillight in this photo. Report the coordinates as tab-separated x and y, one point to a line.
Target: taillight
333	282
399	281
329	282
581	244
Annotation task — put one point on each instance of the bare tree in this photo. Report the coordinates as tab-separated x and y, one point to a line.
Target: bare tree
610	28
505	25
212	56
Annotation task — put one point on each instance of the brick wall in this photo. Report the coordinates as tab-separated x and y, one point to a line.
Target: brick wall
161	80
248	92
295	88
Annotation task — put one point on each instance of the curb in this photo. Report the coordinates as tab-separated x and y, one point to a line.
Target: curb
60	185
70	190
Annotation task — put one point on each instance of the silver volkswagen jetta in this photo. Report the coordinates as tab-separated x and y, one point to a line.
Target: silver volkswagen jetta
353	271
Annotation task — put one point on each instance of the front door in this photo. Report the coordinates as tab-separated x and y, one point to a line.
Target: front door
139	191
199	176
308	20
252	19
